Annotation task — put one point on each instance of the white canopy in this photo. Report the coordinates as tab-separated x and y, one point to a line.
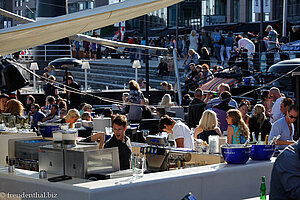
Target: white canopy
48	30
101	41
81	37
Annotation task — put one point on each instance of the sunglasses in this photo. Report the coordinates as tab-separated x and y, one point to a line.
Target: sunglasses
292	117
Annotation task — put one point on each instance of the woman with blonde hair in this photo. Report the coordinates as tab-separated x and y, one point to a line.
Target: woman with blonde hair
208	125
193	40
71	118
259	122
166	102
237	131
14	107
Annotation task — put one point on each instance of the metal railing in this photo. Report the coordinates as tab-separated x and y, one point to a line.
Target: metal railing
43	52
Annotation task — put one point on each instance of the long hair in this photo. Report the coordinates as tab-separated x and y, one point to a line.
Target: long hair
259	113
73	113
133	85
237	120
166	100
205	51
208	121
15	107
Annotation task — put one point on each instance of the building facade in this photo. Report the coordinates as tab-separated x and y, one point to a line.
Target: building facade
191	13
27	8
5	22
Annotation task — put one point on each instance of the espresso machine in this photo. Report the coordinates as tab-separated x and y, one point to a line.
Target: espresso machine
160	156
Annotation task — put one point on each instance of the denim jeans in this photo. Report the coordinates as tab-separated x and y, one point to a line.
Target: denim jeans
217	53
132	54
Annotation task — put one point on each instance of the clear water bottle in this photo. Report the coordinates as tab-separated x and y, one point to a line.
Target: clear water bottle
263	62
259	138
276	57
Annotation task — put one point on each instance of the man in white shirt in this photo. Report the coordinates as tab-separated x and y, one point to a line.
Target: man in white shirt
181	132
245	43
277	98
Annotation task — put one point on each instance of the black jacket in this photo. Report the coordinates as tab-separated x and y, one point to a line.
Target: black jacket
124	150
196	108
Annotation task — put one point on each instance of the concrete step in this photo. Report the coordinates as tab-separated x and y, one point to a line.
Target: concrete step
114	73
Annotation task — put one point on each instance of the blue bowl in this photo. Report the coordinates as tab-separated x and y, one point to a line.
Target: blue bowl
262	152
236	153
47	130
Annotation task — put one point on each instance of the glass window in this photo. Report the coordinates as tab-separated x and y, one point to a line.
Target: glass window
91	5
236	10
17	3
21	2
81	6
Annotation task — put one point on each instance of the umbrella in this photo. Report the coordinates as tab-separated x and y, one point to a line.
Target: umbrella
66	62
213	84
285	66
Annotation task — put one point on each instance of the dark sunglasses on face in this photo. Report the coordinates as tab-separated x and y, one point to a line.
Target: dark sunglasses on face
292	117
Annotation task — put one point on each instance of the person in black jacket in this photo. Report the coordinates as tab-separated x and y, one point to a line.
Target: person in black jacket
120	140
196	108
74	97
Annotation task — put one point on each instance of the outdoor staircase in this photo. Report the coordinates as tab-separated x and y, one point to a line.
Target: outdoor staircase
114	75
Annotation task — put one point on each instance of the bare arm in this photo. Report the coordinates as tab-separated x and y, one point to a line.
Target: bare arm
101	137
219	131
284	142
230	133
198	130
180	142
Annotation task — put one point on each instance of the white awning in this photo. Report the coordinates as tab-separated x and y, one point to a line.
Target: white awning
48	30
81	37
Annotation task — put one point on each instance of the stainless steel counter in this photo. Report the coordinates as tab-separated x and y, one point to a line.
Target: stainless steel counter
206	182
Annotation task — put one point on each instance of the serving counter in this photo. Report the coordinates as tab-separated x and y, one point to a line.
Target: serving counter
5	137
219	181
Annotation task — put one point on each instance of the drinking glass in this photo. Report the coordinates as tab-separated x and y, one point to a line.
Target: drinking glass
138	166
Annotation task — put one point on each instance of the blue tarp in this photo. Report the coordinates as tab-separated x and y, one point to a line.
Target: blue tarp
292	46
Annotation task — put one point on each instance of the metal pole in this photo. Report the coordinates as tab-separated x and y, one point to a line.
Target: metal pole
136	74
177	23
177	75
261	24
284	17
147	56
85	79
34	81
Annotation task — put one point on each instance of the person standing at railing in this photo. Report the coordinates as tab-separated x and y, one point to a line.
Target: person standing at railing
217	45
86	47
229	41
272	39
77	48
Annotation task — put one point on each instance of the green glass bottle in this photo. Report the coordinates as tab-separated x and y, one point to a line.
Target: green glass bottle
263	188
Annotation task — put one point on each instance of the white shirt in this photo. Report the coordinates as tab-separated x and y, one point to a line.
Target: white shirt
193	42
247	44
276	112
180	130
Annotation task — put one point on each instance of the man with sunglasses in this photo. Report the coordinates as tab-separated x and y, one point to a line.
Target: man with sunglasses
285	127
